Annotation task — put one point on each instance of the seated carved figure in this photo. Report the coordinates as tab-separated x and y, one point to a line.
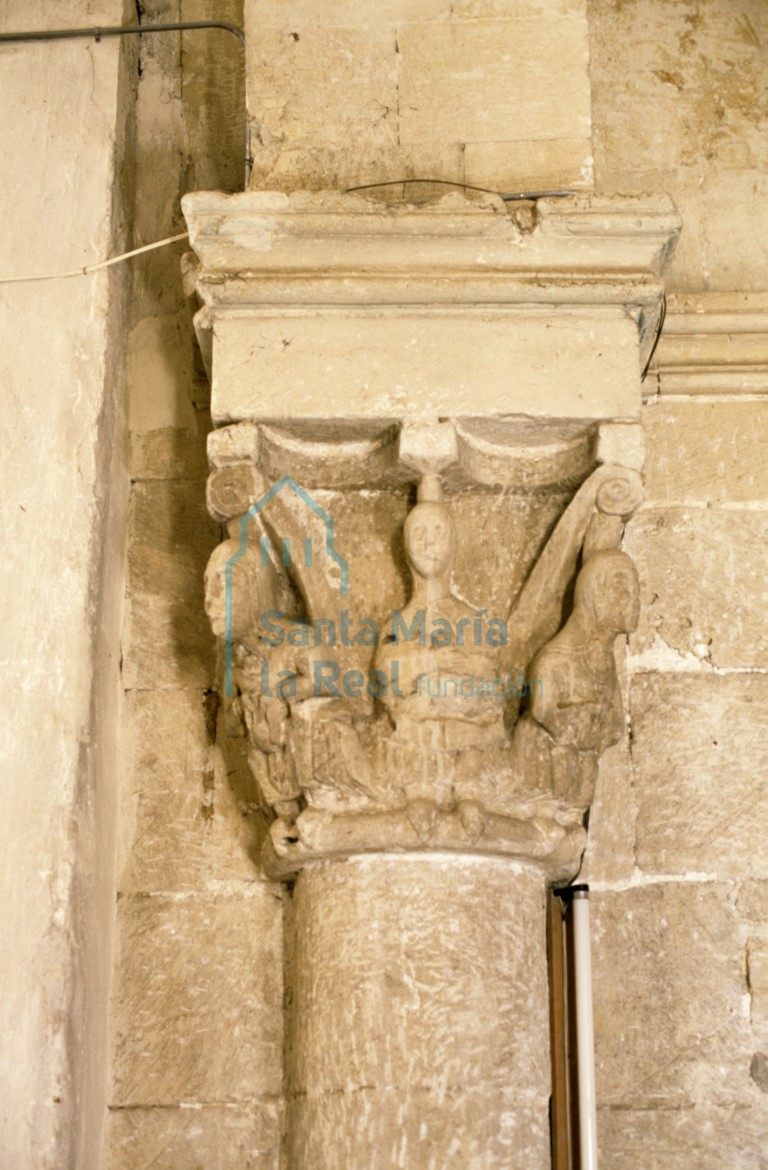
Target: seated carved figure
575	710
437	643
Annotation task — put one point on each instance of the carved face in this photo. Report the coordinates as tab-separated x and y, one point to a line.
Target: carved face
429	540
617	604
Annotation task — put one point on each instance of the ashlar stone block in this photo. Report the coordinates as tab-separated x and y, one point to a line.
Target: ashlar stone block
699	750
707	1137
704	583
494	80
185	815
208	1137
421	363
192	970
707	452
679	101
669	981
167	641
353	13
295	75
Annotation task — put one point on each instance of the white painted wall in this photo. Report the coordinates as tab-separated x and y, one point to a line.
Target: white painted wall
63	486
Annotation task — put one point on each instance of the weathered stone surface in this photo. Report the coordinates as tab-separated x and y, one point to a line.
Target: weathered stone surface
440	966
233	445
422	363
215	1137
282	14
187	814
167	640
164	425
293	13
192	971
170	452
757	977
293	74
476	1127
669	980
396	76
706	452
707	1137
751	901
679	98
494	80
698	752
211	71
704	584
312	168
610	853
544	165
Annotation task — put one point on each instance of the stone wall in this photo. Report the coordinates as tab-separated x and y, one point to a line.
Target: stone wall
677	852
196	1023
491	92
678	855
679	101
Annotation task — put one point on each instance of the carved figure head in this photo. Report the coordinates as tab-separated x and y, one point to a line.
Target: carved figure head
608	590
253	590
429	533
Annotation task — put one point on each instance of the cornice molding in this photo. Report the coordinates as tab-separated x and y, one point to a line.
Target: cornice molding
449	309
714	343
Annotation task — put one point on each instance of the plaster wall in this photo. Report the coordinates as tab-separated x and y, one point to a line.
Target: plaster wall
64	489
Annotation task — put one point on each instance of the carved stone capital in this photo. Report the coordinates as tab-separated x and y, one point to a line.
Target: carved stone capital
428	445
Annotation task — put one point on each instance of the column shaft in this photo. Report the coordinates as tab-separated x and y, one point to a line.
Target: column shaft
419	1031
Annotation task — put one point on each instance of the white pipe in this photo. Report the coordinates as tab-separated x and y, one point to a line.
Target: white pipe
585	1039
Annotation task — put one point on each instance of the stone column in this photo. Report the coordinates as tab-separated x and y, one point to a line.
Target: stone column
427	444
418	1027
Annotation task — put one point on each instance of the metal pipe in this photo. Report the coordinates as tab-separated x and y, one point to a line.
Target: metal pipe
584	1030
122	30
62	34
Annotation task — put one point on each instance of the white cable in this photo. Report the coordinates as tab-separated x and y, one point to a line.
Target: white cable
95	267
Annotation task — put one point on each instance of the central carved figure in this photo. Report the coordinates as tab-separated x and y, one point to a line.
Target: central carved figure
482	733
450	648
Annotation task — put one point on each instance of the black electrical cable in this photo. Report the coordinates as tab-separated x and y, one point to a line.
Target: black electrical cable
62	34
662	319
506	196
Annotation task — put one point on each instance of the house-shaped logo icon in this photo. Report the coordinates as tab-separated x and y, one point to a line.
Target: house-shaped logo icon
287	558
